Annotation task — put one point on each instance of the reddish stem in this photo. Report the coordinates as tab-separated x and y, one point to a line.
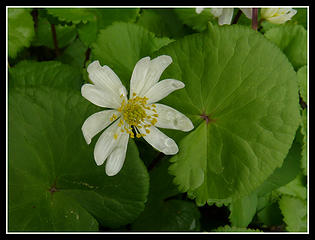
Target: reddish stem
54	35
255	19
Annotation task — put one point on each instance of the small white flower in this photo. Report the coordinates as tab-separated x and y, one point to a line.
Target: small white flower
199	10
136	117
277	15
225	15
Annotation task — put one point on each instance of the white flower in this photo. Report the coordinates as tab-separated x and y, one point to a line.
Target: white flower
199	10
136	117
277	15
225	15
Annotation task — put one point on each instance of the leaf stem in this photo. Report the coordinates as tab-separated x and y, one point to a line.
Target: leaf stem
237	16
35	18
87	56
155	161
54	35
255	19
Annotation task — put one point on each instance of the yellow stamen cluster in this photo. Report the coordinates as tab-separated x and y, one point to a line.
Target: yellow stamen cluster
134	115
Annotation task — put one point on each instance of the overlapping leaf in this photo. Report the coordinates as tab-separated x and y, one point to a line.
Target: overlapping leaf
162	212
292	40
103	17
54	183
44	35
163	22
121	45
294	211
20	29
198	22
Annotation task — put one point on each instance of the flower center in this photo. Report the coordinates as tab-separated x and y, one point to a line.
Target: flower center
136	114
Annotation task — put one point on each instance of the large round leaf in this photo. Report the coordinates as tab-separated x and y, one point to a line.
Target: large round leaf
245	90
54	183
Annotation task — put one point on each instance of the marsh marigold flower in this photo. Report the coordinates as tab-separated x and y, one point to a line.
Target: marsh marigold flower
138	116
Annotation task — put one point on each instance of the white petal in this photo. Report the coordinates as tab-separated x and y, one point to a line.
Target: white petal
199	10
291	13
226	16
284	14
104	77
268	12
172	119
162	89
156	68
100	96
138	75
247	12
106	143
160	141
216	11
96	123
116	159
283	18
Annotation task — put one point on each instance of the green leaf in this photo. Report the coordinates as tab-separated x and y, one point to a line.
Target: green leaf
54	183
198	22
228	228
88	32
300	17
295	188
74	15
20	30
107	16
287	172
243	210
162	22
44	37
292	40
103	17
270	215
74	54
302	82
248	90
295	213
163	211
122	45
304	141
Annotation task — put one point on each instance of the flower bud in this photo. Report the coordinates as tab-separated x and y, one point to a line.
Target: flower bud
277	15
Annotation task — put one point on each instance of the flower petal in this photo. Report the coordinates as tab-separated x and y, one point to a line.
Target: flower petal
116	159
172	119
199	10
247	12
147	72
226	16
104	77
157	67
138	75
217	12
160	141
106	143
268	12
96	123
163	88
286	15
100	96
